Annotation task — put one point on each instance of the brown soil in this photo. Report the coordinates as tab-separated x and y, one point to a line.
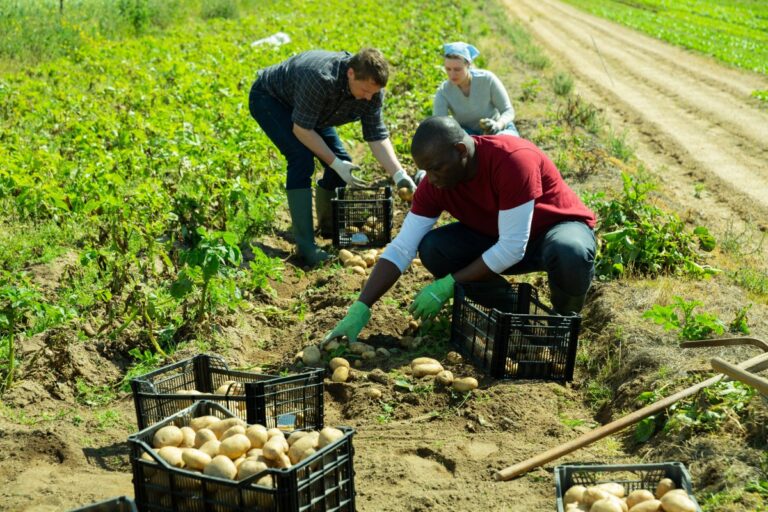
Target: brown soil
431	450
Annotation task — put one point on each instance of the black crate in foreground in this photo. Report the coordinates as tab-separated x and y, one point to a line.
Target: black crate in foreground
290	402
121	504
322	482
362	217
532	342
631	476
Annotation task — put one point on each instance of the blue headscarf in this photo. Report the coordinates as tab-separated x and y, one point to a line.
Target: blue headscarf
465	50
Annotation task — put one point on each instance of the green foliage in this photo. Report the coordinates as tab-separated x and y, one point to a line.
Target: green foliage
574	112
619	147
93	396
679	316
226	9
529	90
761	95
637	237
562	84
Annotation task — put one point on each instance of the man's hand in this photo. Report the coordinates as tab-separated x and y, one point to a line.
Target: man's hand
429	300
490	126
344	169
351	325
402	180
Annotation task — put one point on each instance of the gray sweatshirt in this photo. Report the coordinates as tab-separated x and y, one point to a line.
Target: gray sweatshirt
487	98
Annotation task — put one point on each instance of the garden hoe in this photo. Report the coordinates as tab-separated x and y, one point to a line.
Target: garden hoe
743	371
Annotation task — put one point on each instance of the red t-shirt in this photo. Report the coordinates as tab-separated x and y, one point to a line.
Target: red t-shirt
510	172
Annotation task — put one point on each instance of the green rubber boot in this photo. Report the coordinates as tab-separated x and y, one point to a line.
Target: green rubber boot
323	209
300	206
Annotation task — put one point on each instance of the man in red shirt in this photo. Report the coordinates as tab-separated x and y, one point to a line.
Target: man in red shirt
515	215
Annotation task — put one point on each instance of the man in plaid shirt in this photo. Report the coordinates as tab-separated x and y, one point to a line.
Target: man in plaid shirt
298	103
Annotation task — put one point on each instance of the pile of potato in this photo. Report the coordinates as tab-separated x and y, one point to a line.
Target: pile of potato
610	497
231	449
359	262
424	366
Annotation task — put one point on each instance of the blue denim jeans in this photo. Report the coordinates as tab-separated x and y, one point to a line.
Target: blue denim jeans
510	129
566	252
274	117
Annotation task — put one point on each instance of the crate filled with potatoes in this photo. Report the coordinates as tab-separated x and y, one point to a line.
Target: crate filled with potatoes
362	217
205	458
655	487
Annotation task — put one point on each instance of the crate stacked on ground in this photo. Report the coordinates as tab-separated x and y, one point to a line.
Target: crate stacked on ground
526	341
362	217
288	402
633	477
121	504
323	480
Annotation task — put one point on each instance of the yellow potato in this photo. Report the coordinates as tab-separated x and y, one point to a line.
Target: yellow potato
638	496
445	378
172	455
224	425
211	447
275	447
605	505
677	502
221	466
250	468
203	422
231	431
372	393
257	435
272	432
574	494
612	488
235	446
195	459
358	269
652	505
341	374
405	194
465	384
170	435
421	370
309	441
329	435
188	440
424	360
665	485
593	494
345	255
203	436
336	362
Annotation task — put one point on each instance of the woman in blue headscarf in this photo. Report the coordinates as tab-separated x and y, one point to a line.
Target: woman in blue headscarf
476	98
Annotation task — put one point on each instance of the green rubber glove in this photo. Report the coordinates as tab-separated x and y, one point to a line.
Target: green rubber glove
429	300
351	325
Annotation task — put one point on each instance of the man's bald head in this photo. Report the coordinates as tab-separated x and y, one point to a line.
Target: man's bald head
436	135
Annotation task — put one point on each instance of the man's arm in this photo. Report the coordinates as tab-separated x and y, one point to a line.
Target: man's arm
385	154
312	140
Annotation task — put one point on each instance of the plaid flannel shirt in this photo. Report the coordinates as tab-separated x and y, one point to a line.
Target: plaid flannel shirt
315	85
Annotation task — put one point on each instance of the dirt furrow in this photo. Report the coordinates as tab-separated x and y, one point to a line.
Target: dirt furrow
703	126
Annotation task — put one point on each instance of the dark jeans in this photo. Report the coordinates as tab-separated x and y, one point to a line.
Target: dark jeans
274	117
566	253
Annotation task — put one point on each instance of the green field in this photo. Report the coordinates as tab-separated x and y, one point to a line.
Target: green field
735	32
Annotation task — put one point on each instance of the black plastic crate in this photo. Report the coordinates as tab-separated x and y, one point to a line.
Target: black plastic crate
529	342
290	402
121	504
362	211
631	476
322	482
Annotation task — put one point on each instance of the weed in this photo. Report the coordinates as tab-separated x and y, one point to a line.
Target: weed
755	281
562	84
93	396
529	90
146	361
387	410
576	113
619	147
698	190
226	9
679	316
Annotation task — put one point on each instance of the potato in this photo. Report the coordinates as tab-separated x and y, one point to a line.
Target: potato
272	432
336	362
203	422
195	459
257	435
250	468
224	425
593	494
605	505
576	507
211	447
254	453
235	446
677	502
231	431
282	461
188	437
652	505
341	374
573	494
275	447
420	370
230	387
222	467
170	435
612	488
464	384
373	393
405	194
203	436
423	360
369	260
638	496
329	435
310	441
445	378
171	455
665	485
371	221
345	255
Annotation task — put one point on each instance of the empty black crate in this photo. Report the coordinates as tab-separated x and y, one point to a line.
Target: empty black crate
121	504
631	476
362	217
290	402
322	482
531	342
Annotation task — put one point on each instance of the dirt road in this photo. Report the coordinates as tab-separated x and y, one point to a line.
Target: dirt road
691	119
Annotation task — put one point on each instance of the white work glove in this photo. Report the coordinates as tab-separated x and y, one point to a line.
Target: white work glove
344	169
402	180
491	126
419	176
